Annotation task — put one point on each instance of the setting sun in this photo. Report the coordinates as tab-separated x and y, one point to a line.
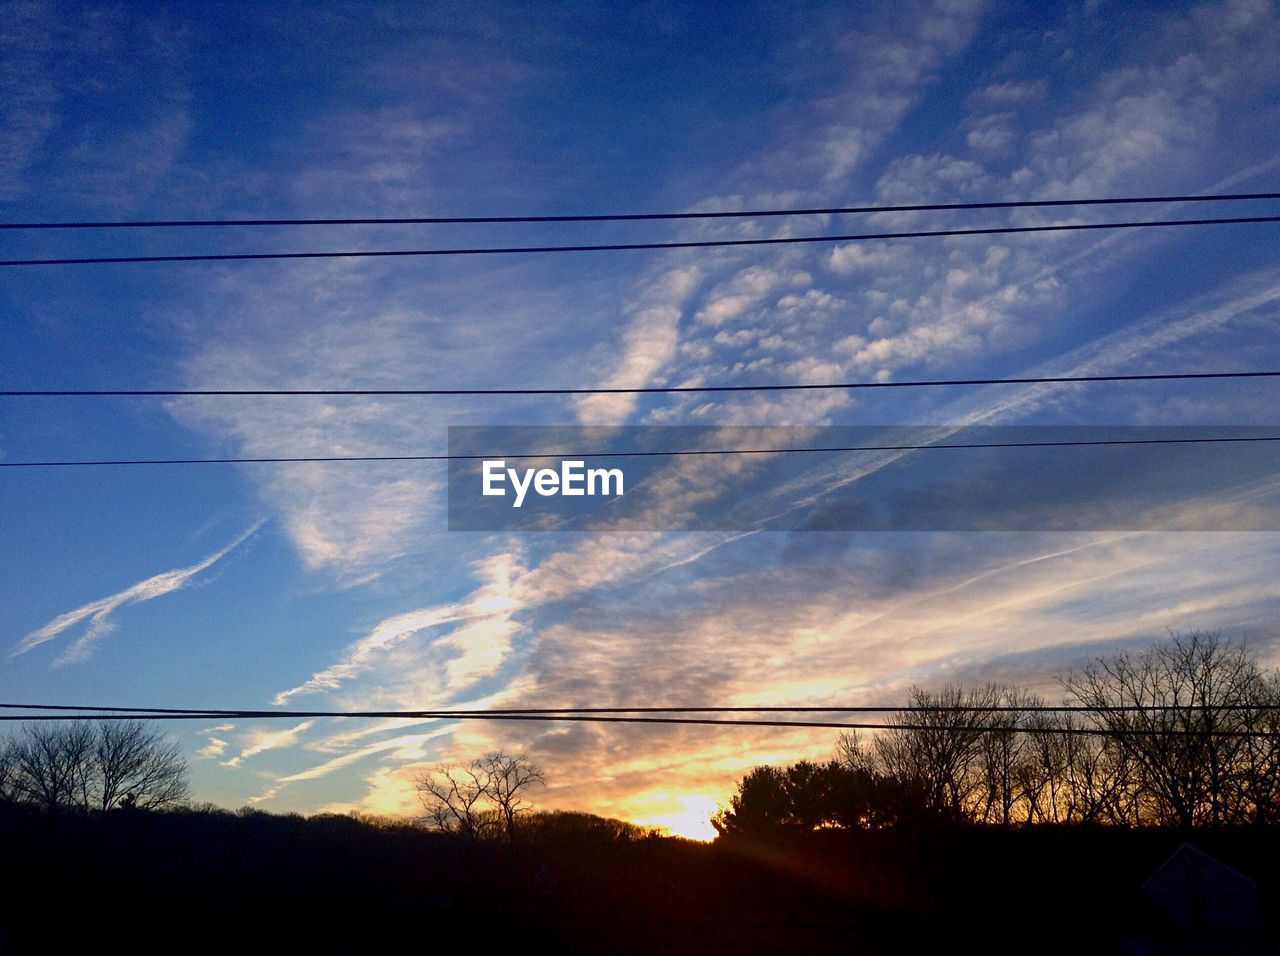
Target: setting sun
692	820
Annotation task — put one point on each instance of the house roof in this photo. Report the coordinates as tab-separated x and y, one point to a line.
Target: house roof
1188	855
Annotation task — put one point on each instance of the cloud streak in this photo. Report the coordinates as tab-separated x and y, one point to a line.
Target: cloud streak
264	740
480	645
98	613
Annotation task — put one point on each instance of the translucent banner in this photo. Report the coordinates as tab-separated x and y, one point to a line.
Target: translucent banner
860	478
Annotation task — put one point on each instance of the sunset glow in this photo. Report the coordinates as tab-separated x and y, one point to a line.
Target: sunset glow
692	821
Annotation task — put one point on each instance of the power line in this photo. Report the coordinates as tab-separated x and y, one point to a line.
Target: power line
636	217
740	709
672	453
622	390
632	719
632	246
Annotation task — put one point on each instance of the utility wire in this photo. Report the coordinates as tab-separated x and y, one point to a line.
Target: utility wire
774	709
631	719
635	390
636	217
672	453
625	246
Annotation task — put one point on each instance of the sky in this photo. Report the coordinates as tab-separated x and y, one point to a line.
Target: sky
340	586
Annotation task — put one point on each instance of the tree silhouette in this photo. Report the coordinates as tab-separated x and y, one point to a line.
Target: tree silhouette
510	776
1185	733
51	765
135	766
479	798
82	766
1186	762
939	751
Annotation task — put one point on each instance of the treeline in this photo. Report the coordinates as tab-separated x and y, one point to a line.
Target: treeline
82	766
1185	733
571	882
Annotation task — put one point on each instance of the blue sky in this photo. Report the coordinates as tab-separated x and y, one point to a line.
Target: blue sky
340	586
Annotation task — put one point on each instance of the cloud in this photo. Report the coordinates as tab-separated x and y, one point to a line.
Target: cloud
917	179
744	291
28	91
478	648
263	740
316	325
349	520
887	71
855	256
1246	300
216	747
382	157
98	612
1150	121
1010	93
406	748
991	133
64	136
419	88
648	344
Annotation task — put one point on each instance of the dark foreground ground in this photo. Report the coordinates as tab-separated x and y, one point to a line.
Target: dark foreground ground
196	881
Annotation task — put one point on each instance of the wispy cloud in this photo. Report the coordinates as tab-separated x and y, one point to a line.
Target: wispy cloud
480	646
28	91
263	740
98	613
648	344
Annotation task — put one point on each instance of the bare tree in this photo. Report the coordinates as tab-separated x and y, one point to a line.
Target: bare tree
937	750
1005	758
479	798
853	754
510	776
1259	770
52	765
61	766
1188	764
456	799
1042	771
135	766
6	771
